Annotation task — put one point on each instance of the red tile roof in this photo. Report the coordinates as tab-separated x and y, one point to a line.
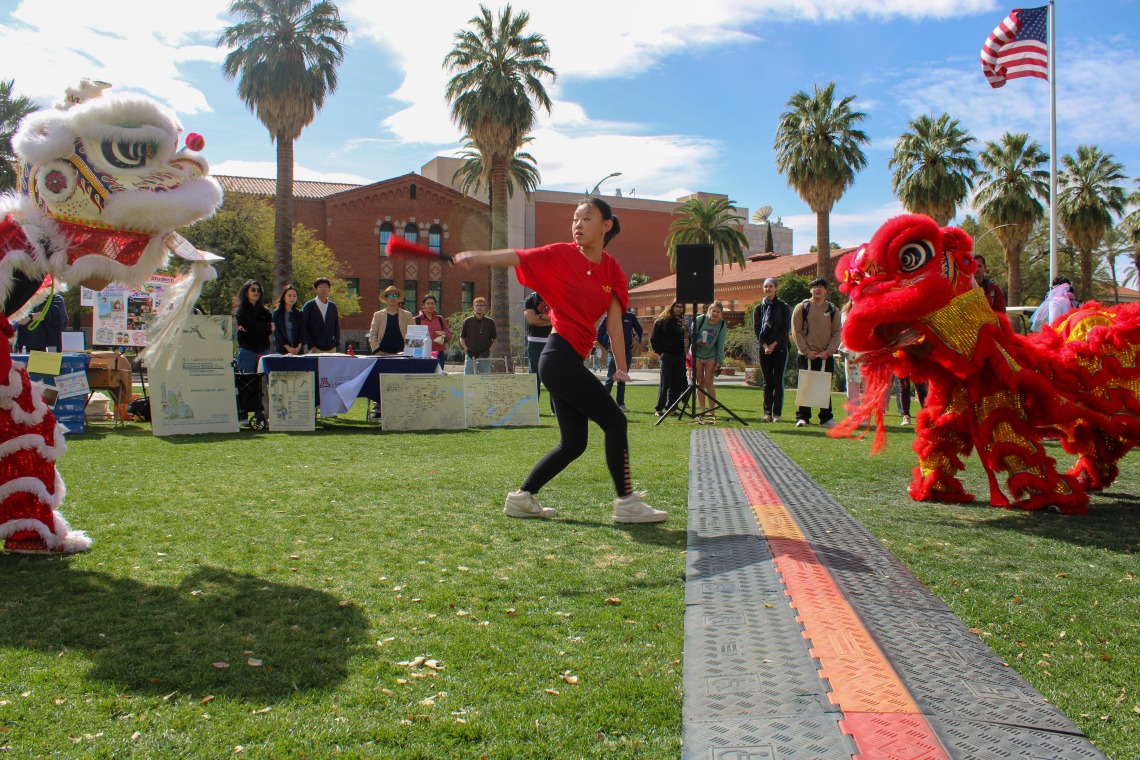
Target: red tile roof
262	186
754	272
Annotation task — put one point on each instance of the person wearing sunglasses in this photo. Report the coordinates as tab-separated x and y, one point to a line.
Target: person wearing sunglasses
254	326
390	324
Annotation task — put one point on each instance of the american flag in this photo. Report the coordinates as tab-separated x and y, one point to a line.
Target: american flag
1017	47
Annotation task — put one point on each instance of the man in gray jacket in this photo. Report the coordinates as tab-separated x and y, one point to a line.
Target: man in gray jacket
816	325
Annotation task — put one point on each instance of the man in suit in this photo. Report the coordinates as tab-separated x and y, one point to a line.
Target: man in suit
320	322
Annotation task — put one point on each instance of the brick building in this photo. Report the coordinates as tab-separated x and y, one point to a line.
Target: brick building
356	220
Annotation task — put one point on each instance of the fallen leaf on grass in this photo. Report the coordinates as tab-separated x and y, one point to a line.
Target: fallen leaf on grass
551	691
195	592
154	681
613	600
401	681
254	663
59	700
169	696
631	622
5	730
976	631
262	711
433	664
136	735
221	665
462	613
206	699
510	612
1062	575
564	614
345	603
1136	709
570	679
427	702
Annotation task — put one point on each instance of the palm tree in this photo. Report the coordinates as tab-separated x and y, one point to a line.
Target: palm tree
1131	227
1009	200
934	171
817	149
523	170
12	112
285	58
493	94
715	223
1090	194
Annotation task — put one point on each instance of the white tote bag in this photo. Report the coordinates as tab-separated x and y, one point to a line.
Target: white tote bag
814	389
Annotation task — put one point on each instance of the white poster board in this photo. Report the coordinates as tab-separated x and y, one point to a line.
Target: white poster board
422	402
292	401
340	379
196	393
499	400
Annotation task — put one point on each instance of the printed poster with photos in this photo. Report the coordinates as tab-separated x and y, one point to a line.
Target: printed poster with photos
122	314
292	401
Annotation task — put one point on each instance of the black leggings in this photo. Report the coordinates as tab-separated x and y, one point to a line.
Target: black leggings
580	398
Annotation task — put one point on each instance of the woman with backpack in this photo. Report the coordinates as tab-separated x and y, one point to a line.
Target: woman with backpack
438	331
709	334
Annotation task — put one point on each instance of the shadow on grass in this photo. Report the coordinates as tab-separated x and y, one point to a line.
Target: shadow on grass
158	639
1112	526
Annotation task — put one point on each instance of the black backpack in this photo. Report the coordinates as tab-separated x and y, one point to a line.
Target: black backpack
830	314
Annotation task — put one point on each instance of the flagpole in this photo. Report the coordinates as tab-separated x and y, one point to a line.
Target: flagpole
1052	143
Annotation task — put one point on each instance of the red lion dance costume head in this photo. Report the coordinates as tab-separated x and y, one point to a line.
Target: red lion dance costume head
102	186
917	312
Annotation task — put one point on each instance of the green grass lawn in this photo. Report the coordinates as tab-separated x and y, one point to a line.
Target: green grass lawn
320	568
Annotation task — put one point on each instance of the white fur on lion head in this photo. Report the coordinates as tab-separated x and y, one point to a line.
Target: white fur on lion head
113	160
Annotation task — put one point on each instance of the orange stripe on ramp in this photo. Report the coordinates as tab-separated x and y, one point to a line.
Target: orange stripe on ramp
879	713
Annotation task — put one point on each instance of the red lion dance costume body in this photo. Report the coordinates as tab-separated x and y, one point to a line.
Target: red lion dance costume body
917	312
102	185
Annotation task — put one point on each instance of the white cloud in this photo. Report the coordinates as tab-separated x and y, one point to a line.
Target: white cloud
1098	98
268	170
124	42
847	229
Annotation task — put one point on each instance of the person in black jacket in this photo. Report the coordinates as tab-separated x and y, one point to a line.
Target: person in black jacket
670	339
772	321
320	321
49	332
287	323
254	326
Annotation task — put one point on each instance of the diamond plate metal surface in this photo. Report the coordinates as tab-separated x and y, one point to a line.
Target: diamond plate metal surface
804	737
978	707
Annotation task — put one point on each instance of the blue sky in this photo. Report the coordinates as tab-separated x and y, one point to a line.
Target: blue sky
677	95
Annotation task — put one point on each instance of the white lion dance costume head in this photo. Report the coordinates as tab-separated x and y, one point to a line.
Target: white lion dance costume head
102	186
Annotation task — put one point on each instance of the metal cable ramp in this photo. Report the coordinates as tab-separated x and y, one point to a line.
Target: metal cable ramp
806	638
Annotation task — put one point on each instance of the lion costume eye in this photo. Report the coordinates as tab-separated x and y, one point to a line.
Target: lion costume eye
914	256
127	154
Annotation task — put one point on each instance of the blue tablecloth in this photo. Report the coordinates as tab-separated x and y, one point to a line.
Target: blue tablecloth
391	365
70	412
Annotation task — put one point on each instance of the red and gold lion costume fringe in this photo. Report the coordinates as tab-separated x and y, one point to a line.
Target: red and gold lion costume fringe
916	312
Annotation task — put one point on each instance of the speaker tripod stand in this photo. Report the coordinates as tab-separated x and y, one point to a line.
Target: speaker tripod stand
687	403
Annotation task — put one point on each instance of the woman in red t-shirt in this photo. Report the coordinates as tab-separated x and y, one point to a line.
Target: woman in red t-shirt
580	282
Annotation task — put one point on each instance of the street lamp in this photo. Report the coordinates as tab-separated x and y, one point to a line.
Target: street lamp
603	179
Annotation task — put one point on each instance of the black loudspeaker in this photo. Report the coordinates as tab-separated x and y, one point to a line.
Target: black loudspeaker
695	273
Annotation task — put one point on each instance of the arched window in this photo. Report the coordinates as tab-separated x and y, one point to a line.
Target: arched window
386	231
412	233
412	192
435	238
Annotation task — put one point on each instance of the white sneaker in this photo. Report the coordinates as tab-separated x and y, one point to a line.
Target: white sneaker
523	504
905	420
775	419
801	423
632	509
829	424
766	418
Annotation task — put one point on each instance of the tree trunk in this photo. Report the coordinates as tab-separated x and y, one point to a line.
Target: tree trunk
283	218
500	282
1013	260
823	245
1112	270
1086	274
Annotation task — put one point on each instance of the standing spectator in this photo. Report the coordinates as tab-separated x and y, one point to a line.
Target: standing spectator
438	331
669	339
536	313
816	324
49	332
631	331
709	335
254	327
772	322
287	323
477	336
320	321
992	289
390	324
